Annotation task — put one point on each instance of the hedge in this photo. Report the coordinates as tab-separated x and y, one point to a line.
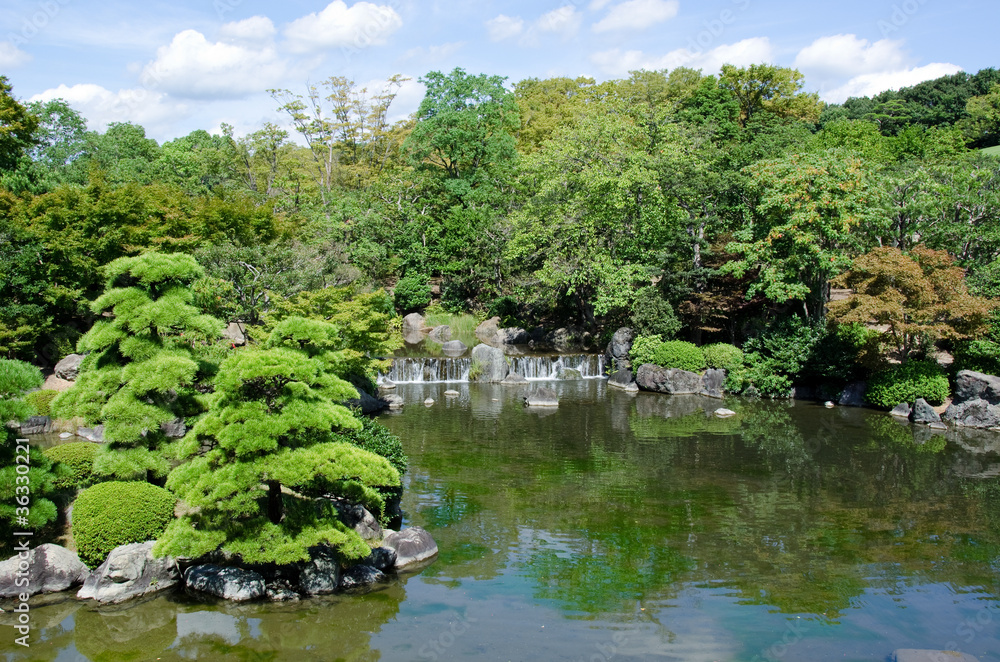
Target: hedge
111	514
907	382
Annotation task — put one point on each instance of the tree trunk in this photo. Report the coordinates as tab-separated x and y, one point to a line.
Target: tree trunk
275	507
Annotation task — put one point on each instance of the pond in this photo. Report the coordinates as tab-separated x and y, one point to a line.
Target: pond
631	527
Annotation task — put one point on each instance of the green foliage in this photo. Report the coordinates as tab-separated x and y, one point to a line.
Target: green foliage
679	354
979	355
40	401
644	350
17	127
723	356
507	309
908	381
412	293
111	514
16	378
844	353
375	438
653	315
774	360
78	459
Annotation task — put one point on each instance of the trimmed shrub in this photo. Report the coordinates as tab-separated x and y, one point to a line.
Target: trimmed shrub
78	459
653	315
679	354
907	382
376	438
723	355
41	401
644	350
117	513
412	293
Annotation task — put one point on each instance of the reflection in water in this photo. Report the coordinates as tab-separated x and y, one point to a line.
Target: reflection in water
635	527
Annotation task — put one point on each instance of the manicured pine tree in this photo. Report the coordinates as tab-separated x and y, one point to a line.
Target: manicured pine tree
141	369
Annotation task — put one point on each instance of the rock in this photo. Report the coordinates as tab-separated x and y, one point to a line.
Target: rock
662	380
454	348
513	336
514	379
234	584
902	410
429	401
395	401
381	558
492	363
69	367
917	655
713	382
564	339
367	403
65	435
37	425
970	385
924	413
280	590
53	383
50	569
724	413
489	332
542	397
386	384
937	426
92	434
802	392
359	576
440	334
234	334
357	517
570	374
829	404
624	380
618	348
973	414
413	322
321	574
451	394
130	571
174	429
853	395
411	545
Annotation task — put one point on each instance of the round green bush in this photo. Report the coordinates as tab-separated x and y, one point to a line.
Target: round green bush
679	354
644	350
723	355
41	401
412	293
78	458
907	382
115	513
653	315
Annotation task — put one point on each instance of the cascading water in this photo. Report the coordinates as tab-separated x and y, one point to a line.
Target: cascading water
427	370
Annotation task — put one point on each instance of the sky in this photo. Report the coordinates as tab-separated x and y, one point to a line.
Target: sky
180	65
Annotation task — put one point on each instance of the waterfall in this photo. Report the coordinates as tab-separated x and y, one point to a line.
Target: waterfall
429	370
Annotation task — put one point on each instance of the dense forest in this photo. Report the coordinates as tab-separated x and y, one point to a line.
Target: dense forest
711	208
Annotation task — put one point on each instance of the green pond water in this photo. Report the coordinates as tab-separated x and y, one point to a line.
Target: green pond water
630	527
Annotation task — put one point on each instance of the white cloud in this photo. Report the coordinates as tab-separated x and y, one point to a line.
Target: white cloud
256	30
637	15
337	26
869	84
434	53
504	27
11	56
743	53
192	67
845	55
564	21
598	5
101	106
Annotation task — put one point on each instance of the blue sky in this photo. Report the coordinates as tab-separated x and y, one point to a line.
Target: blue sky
188	64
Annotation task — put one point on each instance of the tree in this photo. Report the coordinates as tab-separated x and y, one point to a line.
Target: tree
25	292
56	157
920	296
17	127
765	87
264	452
140	370
982	128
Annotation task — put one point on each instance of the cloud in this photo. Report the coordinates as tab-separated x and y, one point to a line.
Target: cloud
870	84
636	15
846	55
434	53
615	62
504	27
338	26
192	67
253	31
564	21
11	56
102	106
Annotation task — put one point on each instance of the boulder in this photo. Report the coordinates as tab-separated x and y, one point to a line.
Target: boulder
234	334
902	410
624	380
564	339
970	385
130	571
542	397
724	413
713	383
37	425
924	413
492	363
663	380
853	395
228	583
69	367
50	569
429	402
489	332
454	348
513	336
386	384
411	545
357	517
618	348
174	429
359	576
413	322
452	394
367	403
973	414
514	379
440	334
395	401
95	435
569	374
321	574
381	558
922	655
281	590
